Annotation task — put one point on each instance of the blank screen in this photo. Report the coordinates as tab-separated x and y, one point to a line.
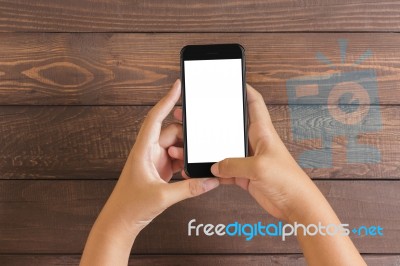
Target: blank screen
214	110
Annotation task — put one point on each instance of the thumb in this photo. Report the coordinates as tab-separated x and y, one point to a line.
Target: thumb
233	167
190	188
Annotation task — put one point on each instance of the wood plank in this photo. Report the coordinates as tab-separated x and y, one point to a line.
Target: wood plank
264	259
127	69
63	142
190	16
93	142
55	217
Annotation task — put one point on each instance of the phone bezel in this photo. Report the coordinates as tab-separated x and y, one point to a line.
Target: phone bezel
210	52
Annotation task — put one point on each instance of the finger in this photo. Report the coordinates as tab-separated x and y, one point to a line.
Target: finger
176	152
178	114
234	167
177	165
242	182
170	135
189	188
257	109
184	175
150	130
260	121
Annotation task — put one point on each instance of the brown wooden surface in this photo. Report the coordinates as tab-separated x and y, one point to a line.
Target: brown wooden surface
194	16
137	69
92	142
77	78
55	217
200	260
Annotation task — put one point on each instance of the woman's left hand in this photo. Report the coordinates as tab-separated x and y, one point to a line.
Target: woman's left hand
142	191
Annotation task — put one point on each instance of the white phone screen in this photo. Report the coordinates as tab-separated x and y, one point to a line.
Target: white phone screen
214	110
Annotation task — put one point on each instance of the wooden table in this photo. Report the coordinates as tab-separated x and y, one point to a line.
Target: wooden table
77	77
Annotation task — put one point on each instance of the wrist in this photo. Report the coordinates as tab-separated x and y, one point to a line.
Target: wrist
108	243
112	235
122	214
112	229
310	206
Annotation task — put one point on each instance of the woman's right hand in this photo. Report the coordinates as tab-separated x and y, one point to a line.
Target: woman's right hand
270	174
282	188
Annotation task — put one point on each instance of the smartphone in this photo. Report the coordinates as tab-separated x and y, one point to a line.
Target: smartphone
214	105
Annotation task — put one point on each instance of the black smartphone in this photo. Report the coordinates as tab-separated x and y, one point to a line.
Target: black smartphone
214	105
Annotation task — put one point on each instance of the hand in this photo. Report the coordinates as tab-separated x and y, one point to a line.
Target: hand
142	191
280	186
270	174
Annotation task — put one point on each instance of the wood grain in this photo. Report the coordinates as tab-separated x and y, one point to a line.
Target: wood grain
200	260
63	142
137	69
77	78
72	142
191	16
50	216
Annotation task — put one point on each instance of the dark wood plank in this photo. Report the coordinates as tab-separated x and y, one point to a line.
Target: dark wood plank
63	142
55	217
190	16
127	69
228	260
93	142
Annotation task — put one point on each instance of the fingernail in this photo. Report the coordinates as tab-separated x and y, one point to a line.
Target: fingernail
214	169
210	183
